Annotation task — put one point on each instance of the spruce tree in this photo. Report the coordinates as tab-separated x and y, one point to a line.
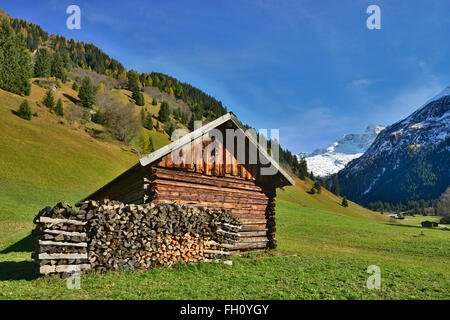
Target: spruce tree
318	187
151	147
86	93
164	112
75	86
59	108
139	98
149	122
57	66
49	100
24	110
344	202
154	102
15	62
335	188
43	64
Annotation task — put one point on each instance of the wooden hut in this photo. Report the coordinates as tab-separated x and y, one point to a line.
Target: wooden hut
207	181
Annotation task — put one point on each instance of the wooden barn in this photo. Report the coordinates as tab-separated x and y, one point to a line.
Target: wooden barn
216	180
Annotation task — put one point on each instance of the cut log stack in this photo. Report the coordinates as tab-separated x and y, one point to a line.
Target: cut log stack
270	216
138	237
60	241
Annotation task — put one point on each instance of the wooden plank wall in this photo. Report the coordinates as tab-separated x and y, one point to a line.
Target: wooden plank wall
127	189
244	198
192	159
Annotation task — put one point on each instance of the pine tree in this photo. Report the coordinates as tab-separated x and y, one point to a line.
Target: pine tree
311	176
75	86
139	98
335	188
170	129
86	93
43	64
164	112
318	187
151	147
154	102
24	110
57	66
49	100
149	122
15	62
59	108
344	202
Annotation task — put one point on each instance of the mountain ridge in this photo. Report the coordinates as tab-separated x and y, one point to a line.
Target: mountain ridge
324	162
409	160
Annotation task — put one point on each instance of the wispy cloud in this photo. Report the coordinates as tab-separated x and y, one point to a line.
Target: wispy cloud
362	83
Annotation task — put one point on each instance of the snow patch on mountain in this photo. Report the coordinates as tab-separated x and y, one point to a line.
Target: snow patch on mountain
328	161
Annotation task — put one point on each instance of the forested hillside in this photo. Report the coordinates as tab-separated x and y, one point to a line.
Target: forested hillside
57	57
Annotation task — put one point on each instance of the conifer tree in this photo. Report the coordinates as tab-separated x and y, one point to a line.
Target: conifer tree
86	93
164	112
43	64
49	100
344	202
75	86
151	147
335	188
149	121
59	108
154	102
57	66
24	110
15	63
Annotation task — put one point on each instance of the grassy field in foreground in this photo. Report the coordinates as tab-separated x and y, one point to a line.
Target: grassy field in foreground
324	248
321	255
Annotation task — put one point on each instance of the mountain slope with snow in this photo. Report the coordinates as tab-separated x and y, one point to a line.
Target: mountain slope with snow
409	160
325	162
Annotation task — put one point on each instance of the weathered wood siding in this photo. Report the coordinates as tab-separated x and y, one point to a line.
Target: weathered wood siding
127	188
247	200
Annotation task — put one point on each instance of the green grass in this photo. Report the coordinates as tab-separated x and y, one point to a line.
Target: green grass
324	248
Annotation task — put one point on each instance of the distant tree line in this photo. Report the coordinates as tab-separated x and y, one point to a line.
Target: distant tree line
420	207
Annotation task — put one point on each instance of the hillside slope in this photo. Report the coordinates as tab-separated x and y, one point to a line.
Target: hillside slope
43	161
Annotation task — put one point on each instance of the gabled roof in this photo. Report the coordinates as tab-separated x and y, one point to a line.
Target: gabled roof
160	153
188	138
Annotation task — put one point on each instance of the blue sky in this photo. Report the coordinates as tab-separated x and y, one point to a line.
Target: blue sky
310	68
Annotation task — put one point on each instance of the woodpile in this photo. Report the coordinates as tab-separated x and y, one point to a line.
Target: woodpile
270	216
60	241
138	237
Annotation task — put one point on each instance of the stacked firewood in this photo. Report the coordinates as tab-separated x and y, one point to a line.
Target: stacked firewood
271	226
138	237
60	241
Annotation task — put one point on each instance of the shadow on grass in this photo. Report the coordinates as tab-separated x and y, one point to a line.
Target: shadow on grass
12	270
24	245
70	98
404	225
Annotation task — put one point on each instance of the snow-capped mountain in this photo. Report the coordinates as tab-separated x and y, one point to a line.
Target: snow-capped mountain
409	160
325	162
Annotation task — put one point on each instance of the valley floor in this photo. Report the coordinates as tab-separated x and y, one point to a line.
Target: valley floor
321	255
